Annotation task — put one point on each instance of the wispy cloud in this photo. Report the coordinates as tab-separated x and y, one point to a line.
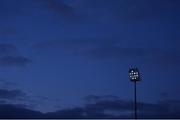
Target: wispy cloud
6	84
95	98
72	45
110	49
11	94
8	49
10	56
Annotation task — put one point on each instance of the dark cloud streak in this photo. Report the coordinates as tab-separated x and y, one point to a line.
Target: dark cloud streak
98	109
7	49
14	61
10	56
11	94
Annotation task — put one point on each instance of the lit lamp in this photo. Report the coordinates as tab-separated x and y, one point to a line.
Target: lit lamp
134	76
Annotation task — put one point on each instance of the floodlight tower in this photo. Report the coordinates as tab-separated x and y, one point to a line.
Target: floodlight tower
134	76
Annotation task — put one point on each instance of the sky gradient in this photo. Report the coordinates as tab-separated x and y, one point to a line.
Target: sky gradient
70	58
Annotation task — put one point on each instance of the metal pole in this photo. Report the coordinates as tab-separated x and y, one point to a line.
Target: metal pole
135	101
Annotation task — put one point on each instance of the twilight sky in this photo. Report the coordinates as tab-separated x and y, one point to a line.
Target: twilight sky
61	54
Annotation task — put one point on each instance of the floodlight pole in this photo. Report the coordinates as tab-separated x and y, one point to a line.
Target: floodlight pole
135	101
134	77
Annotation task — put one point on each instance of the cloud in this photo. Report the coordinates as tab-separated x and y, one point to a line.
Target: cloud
77	113
162	109
14	96
111	105
7	49
73	45
110	49
6	84
114	107
14	61
105	107
66	113
95	98
9	56
11	94
113	49
3	102
9	111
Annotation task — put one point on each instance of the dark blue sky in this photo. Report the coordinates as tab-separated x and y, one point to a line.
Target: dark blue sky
55	53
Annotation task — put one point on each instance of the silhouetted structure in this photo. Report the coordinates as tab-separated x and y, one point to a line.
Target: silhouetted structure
134	76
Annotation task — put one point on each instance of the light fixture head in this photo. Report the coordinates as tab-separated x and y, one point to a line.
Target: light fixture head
134	74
